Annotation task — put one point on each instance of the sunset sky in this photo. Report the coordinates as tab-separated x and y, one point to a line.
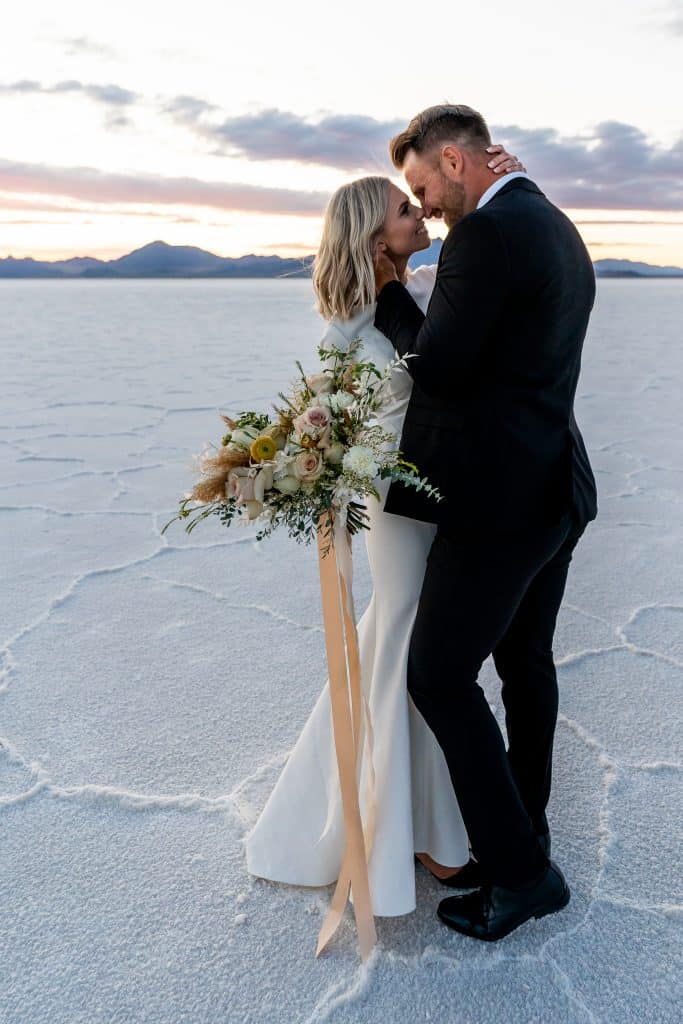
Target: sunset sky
227	126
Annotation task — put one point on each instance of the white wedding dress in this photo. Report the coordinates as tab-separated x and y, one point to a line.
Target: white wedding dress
299	836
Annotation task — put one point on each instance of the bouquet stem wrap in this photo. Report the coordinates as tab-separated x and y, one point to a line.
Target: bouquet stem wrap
352	731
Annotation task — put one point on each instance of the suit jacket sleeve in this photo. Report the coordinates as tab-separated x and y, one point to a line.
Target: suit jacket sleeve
450	343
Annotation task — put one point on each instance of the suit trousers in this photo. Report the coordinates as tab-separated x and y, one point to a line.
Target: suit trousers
494	594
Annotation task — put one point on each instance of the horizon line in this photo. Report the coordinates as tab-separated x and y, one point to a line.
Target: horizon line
300	258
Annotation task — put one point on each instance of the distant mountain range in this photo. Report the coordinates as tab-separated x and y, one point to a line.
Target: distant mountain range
628	268
158	259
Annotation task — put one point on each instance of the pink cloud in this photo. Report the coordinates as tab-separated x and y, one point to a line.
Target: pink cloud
90	184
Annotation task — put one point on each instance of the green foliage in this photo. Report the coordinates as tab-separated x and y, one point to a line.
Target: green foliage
259	420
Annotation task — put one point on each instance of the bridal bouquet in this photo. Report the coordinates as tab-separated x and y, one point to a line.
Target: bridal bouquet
317	457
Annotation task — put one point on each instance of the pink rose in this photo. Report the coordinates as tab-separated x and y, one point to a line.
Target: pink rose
308	466
312	420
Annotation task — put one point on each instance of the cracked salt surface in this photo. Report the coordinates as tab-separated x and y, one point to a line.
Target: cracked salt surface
151	687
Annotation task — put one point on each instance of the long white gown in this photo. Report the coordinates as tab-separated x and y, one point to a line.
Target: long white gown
299	836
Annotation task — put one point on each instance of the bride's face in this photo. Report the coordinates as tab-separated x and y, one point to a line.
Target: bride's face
404	231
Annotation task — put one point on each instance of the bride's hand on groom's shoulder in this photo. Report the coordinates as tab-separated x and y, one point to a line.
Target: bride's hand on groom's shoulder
501	161
385	270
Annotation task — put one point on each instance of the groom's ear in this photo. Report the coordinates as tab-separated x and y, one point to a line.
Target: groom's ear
452	160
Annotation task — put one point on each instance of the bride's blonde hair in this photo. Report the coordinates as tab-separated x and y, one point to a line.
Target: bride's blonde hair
343	270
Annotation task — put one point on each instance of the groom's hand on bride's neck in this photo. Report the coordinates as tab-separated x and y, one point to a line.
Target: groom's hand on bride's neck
385	269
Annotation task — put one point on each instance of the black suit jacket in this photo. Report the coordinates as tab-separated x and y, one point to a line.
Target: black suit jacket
495	366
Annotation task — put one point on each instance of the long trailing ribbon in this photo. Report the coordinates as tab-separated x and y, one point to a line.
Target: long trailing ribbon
352	729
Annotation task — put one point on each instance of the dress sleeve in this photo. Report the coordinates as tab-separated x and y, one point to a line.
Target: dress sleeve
375	347
332	335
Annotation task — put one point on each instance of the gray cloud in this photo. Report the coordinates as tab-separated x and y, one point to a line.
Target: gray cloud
614	166
347	142
187	110
112	97
90	184
109	94
79	45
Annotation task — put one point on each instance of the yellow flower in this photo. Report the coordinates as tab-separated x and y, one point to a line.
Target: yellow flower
262	448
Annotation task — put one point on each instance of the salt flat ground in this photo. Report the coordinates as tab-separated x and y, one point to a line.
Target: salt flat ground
152	686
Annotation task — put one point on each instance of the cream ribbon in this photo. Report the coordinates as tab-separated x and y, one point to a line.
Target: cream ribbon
352	732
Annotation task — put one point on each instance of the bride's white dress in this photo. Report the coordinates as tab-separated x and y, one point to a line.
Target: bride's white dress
299	836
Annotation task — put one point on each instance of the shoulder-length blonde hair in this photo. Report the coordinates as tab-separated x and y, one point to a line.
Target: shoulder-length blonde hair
343	270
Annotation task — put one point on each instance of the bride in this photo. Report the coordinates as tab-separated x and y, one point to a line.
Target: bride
299	836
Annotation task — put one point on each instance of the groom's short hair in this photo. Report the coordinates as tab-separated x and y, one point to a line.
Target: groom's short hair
448	122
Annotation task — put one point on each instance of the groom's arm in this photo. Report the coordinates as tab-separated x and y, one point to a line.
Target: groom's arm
451	341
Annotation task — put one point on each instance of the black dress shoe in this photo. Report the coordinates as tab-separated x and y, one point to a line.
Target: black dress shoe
493	911
471	876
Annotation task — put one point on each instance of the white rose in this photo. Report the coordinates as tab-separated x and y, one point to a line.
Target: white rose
360	460
287	485
243	436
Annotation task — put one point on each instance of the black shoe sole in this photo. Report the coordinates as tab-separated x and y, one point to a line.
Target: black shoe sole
541	912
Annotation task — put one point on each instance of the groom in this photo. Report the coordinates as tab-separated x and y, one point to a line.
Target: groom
495	364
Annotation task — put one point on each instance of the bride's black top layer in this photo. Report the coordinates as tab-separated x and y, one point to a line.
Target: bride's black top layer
491	416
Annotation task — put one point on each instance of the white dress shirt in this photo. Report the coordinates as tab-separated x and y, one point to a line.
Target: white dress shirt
503	180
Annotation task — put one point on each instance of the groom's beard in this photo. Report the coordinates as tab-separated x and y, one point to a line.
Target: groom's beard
453	203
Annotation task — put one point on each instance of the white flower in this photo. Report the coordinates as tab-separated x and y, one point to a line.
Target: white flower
360	460
342	400
283	464
287	484
342	495
243	436
338	401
